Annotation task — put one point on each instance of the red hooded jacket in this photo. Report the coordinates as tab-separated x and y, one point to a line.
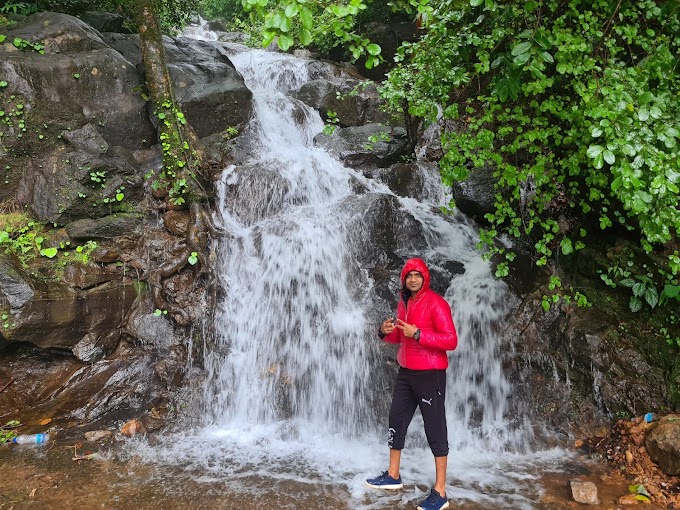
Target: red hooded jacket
430	313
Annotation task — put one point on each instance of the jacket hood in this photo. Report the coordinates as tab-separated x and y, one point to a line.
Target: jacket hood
416	265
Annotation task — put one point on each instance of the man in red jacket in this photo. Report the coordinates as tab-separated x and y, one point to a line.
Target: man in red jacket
424	330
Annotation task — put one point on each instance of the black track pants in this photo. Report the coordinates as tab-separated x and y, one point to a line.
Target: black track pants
425	389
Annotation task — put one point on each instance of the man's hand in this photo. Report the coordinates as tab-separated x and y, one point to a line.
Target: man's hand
387	327
408	329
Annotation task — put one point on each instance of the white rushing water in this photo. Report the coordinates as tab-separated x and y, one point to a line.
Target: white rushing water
292	374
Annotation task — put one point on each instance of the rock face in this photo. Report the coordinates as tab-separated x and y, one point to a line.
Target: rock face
76	145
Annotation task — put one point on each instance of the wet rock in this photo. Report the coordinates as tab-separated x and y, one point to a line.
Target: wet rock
105	21
476	196
253	193
96	436
211	93
365	146
663	444
15	288
107	227
151	424
87	321
105	254
95	346
353	102
132	428
85	276
103	92
417	180
584	492
63	187
87	139
176	222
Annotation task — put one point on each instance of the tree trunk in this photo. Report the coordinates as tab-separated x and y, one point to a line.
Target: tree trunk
183	160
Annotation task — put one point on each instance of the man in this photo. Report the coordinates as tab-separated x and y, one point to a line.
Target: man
425	331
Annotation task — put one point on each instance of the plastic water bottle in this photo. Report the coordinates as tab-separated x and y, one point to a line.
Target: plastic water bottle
31	438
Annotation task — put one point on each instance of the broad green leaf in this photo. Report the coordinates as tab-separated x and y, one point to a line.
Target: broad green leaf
547	57
609	157
268	37
305	37
670	290
594	151
476	3
521	48
373	49
566	246
49	252
598	162
627	282
639	289
651	296
306	19
285	42
292	10
635	304
339	10
521	59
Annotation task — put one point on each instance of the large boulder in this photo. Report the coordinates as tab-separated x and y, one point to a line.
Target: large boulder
372	145
353	102
105	21
210	91
663	444
86	321
79	80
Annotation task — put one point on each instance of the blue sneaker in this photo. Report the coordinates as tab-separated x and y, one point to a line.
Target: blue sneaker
385	481
434	502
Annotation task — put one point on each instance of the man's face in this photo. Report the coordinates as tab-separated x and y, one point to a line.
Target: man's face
414	281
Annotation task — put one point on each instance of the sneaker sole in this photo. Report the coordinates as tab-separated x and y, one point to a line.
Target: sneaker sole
445	505
391	487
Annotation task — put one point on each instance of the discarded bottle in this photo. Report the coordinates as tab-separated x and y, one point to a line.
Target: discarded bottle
31	438
649	417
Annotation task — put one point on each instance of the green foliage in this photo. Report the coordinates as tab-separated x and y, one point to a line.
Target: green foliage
21	236
20	8
331	123
178	157
575	108
301	22
227	10
174	14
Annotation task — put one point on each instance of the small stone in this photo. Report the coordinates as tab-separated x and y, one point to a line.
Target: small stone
629	457
584	492
95	436
628	499
132	428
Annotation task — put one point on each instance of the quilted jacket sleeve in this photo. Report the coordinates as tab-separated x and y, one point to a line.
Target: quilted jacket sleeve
443	335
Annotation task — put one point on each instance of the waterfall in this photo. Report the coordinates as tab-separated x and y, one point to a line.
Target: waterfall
296	363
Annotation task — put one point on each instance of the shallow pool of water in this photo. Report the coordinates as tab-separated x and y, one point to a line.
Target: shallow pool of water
47	478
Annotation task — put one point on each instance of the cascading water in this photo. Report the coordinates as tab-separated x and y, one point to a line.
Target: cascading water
296	362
